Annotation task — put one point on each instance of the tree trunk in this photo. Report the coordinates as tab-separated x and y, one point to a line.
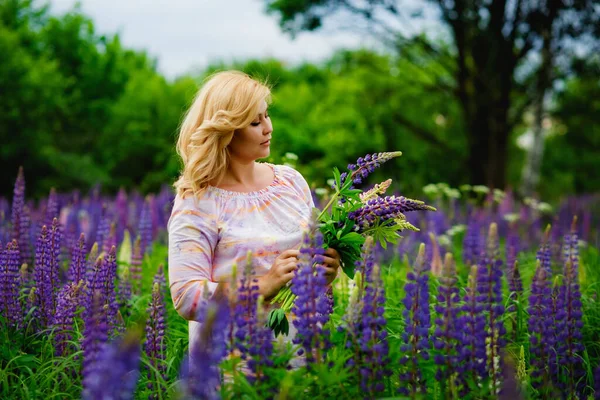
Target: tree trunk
533	164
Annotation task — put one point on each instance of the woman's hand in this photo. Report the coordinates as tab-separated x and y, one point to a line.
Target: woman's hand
281	272
331	262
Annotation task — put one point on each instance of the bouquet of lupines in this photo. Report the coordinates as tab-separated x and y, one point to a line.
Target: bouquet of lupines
355	214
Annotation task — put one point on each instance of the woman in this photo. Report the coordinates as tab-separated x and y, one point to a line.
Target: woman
227	203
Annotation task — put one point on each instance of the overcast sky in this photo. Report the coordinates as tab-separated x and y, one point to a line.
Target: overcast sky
188	34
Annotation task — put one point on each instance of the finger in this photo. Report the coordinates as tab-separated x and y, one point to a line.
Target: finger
288	277
331	262
289	267
289	253
332	252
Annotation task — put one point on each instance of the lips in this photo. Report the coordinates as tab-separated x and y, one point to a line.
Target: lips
267	141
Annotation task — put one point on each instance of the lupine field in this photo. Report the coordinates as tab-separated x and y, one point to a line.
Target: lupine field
493	297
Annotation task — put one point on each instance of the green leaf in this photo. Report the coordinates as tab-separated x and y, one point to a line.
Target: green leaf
337	177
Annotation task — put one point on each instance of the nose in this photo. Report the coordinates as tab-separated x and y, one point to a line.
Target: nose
268	127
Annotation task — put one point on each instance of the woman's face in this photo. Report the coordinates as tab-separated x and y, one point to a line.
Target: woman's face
254	141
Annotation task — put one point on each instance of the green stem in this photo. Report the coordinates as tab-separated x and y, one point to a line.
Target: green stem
333	198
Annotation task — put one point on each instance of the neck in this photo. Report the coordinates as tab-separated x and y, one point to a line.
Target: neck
241	172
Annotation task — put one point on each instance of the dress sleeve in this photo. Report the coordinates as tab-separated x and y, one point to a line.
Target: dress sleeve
193	237
301	185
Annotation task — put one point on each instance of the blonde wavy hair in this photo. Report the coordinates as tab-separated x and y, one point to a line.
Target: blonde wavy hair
228	101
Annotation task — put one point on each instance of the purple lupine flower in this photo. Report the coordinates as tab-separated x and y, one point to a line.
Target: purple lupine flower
20	217
540	328
110	269
103	281
55	241
78	263
544	254
559	315
115	372
570	356
72	226
111	239
43	278
472	356
446	335
9	281
52	208
124	293
200	370
160	277
417	317
24	239
103	227
366	165
309	284
372	342
90	265
155	345
137	258
95	333
383	209
145	228
489	294
253	338
4	281
69	299
260	351
244	318
471	242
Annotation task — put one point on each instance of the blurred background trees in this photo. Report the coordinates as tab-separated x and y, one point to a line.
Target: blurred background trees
78	108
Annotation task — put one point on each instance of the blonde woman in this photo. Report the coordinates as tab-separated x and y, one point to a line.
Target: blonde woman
228	203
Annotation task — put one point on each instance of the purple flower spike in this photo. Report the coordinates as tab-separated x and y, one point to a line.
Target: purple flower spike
415	337
373	349
446	337
20	217
489	294
69	299
471	362
570	338
115	372
200	371
155	345
382	209
124	294
544	254
366	165
472	243
52	207
9	284
145	227
542	338
95	334
311	306
78	263
43	278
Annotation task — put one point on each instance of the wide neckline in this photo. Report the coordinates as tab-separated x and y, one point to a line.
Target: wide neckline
254	193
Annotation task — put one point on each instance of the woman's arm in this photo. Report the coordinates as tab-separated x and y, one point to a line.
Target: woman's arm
192	239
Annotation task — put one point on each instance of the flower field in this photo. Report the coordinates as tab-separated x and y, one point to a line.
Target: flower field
493	297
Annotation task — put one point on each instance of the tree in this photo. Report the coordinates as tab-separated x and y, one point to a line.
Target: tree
492	67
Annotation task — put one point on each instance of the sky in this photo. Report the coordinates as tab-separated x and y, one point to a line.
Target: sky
187	35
